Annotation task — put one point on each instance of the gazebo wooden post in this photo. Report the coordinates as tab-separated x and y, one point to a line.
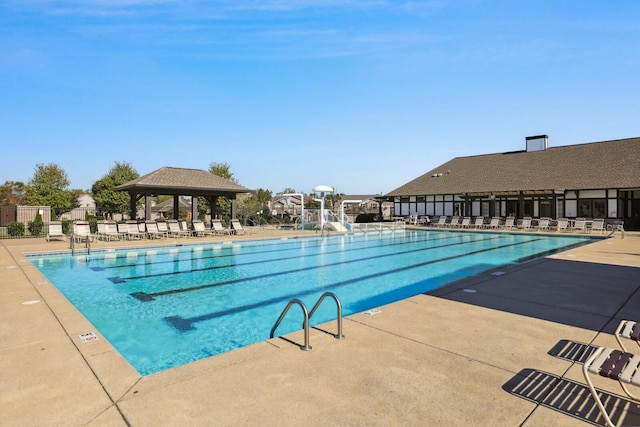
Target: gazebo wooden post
147	207
132	205
194	207
176	206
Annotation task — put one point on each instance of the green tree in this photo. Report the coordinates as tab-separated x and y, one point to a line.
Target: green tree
12	193
223	205
48	187
106	197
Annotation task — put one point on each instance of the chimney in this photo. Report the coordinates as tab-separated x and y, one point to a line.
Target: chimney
537	143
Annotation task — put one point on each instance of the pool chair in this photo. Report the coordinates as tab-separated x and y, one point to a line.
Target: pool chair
509	223
466	222
199	229
82	231
134	231
543	224
580	224
55	231
237	227
562	225
442	222
478	222
628	330
597	225
218	228
616	365
152	230
175	230
525	224
495	222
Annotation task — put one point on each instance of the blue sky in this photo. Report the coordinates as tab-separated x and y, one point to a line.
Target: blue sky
359	95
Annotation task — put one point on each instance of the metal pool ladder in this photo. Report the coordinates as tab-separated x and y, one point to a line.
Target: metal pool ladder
307	315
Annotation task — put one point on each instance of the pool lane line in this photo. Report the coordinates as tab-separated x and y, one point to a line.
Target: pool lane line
186	324
99	268
118	279
145	297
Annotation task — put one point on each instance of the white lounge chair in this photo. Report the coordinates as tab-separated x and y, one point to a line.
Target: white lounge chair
199	229
630	330
162	227
174	229
614	364
597	225
580	224
185	228
563	224
237	227
133	230
478	222
509	223
218	228
495	222
442	222
152	230
466	222
123	231
55	231
525	224
82	231
543	224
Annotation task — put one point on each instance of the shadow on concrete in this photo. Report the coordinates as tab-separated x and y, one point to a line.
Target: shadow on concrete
580	294
571	398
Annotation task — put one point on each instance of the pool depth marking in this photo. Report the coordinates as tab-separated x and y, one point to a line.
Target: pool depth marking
144	297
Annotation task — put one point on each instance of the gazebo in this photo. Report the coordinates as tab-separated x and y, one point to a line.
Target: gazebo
178	182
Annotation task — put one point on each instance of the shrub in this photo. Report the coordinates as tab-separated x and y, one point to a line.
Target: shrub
67	227
35	227
15	229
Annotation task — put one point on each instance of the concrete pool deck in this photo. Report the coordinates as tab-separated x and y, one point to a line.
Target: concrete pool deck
507	354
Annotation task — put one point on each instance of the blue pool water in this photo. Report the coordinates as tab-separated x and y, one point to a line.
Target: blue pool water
165	306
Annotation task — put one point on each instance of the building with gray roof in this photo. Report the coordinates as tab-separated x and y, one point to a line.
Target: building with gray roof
592	180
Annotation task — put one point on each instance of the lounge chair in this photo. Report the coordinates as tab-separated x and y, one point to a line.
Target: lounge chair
614	364
478	222
162	227
218	228
82	231
237	227
525	224
152	230
562	225
580	224
174	229
597	225
629	330
543	224
466	222
454	222
123	231
495	222
199	229
442	222
134	231
107	230
55	231
185	228
509	223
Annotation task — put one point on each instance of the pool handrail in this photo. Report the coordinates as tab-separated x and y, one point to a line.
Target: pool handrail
305	324
339	335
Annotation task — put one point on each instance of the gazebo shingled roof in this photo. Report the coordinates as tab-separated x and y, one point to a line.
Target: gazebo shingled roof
182	181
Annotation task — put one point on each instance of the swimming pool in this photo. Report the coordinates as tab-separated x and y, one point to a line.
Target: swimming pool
161	307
